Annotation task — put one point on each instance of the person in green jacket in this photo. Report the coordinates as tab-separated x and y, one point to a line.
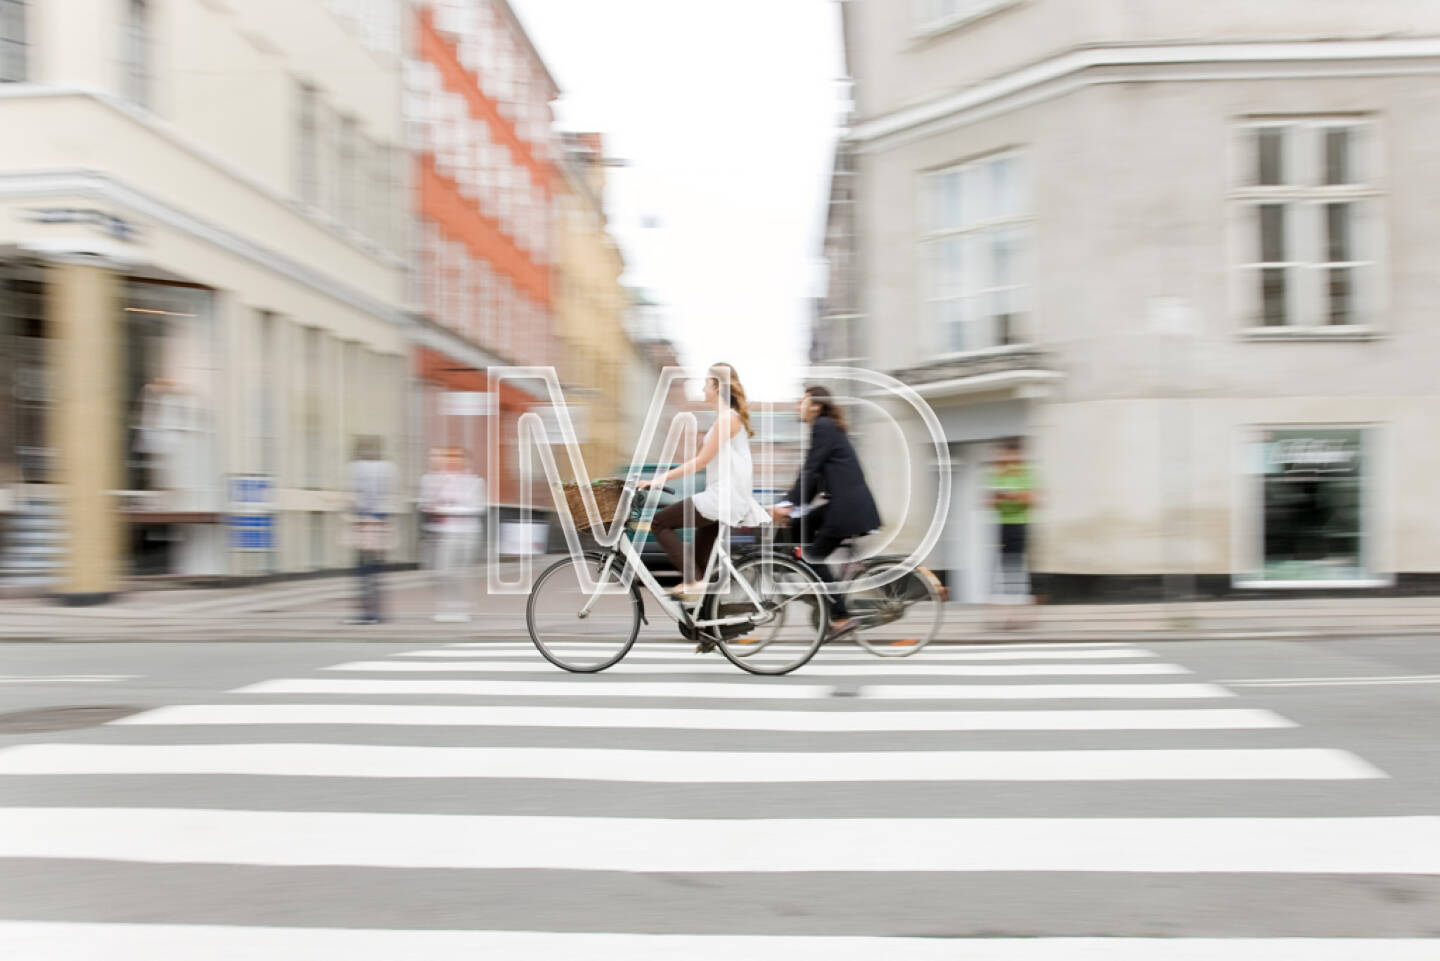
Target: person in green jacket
1012	495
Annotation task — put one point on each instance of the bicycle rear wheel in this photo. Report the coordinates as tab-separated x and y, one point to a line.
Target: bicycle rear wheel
787	627
899	617
582	630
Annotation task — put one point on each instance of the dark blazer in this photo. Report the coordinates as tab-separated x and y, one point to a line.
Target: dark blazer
831	468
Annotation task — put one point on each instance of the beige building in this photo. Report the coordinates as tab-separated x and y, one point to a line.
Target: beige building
1187	250
590	309
201	270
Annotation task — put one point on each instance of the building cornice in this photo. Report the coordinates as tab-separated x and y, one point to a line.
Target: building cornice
530	46
102	187
996	369
426	333
1068	71
173	137
1016	381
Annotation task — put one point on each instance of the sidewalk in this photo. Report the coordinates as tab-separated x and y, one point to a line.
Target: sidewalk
314	609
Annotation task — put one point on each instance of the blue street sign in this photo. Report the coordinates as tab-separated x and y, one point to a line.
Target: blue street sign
252	532
252	490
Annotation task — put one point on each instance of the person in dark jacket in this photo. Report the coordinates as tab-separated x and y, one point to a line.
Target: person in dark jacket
833	469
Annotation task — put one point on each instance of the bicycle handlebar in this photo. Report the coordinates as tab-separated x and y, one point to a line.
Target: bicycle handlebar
636	489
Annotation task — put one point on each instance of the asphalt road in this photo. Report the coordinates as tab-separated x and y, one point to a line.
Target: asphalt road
1243	799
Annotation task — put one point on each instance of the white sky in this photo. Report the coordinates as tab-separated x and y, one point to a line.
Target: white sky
727	114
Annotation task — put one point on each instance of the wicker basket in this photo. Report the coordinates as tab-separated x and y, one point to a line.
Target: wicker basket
607	495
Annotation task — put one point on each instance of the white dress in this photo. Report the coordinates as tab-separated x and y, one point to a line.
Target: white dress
731	477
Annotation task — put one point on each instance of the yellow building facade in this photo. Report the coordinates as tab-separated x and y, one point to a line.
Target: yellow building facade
590	310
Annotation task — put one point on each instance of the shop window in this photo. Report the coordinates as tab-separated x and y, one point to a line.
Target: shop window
169	378
1313	505
25	382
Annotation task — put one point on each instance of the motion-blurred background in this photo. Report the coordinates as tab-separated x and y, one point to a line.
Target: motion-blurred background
1183	251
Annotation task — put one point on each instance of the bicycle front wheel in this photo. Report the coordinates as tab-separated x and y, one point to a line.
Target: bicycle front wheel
579	626
785	610
900	617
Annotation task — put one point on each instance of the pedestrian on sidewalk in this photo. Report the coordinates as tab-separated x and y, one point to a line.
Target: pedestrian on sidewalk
1012	495
452	499
372	484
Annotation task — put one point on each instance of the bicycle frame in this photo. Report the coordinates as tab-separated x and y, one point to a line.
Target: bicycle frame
853	565
625	549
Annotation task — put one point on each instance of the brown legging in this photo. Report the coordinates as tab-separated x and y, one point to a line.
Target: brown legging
664	526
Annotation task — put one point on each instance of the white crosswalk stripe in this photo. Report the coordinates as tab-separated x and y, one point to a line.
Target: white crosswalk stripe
577	687
147	942
1159	845
855	768
697	767
932	656
854	669
429	715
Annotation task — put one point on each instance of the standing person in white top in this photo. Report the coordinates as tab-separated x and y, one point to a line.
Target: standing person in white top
453	500
727	497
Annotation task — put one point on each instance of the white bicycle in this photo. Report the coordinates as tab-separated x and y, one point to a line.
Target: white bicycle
765	611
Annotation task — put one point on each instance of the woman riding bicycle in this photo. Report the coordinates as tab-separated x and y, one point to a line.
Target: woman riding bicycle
832	468
727	497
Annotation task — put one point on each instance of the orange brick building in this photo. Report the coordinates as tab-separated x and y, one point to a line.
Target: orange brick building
484	152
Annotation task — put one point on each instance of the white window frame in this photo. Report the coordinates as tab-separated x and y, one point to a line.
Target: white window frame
1305	198
307	143
937	331
348	168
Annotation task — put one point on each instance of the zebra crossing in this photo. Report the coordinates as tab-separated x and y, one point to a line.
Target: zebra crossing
1024	803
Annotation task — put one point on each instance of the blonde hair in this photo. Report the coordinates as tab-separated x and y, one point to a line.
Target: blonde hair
733	391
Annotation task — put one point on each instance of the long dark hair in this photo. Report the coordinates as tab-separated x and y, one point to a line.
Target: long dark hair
734	393
828	407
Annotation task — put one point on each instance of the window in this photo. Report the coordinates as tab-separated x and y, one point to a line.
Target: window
1309	223
169	369
485	300
972	253
936	15
1313	504
135	52
376	21
13	41
381	193
348	199
307	144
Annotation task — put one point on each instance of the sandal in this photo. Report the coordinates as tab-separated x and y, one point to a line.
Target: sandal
686	593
